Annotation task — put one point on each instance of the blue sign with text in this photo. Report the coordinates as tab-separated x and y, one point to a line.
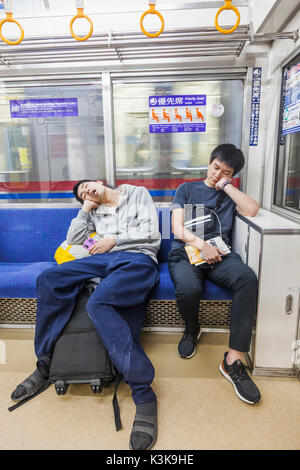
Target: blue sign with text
255	105
291	113
177	113
56	107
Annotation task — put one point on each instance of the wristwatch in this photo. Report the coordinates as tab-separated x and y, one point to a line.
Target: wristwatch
225	184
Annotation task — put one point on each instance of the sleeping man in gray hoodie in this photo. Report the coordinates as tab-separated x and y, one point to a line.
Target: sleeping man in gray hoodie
124	258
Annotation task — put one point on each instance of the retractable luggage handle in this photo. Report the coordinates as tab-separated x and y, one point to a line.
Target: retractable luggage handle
152	11
80	14
9	19
227	6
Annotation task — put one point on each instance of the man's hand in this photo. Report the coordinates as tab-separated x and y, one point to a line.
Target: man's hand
103	246
211	254
89	205
219	184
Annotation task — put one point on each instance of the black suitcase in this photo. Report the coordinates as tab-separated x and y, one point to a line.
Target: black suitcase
79	355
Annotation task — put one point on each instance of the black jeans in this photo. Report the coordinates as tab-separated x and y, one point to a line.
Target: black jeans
230	273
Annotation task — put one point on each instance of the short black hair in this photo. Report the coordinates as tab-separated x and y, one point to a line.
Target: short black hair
230	155
76	186
75	189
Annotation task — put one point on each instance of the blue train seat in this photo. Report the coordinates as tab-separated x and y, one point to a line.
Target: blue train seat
29	238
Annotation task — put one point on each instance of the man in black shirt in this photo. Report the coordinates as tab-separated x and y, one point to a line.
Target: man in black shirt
202	210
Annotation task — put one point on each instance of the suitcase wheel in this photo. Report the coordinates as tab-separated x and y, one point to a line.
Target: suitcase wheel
60	387
96	385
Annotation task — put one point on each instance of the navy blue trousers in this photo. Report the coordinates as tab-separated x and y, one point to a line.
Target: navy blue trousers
117	309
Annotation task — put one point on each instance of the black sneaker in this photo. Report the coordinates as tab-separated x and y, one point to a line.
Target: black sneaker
188	344
244	387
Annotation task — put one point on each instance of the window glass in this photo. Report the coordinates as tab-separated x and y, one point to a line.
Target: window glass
287	183
162	161
50	137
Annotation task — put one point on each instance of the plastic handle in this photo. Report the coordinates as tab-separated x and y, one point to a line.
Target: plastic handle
289	304
80	14
227	6
152	11
9	19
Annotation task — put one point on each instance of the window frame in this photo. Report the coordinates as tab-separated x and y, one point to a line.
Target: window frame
52	80
107	78
188	75
292	214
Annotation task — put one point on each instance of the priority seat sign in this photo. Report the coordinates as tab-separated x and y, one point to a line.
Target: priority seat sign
177	113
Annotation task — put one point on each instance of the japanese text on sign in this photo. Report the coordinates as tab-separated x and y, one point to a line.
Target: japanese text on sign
291	113
255	105
56	107
181	113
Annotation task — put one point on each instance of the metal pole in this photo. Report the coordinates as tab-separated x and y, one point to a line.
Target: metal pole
110	160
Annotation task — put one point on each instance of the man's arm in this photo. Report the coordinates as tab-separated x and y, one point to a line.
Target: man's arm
183	233
81	227
245	204
146	229
210	253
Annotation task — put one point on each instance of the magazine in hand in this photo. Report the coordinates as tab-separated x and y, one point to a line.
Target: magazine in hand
195	255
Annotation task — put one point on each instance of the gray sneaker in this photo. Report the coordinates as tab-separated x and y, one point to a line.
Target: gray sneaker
188	344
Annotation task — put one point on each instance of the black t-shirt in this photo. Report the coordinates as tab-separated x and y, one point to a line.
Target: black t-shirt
213	209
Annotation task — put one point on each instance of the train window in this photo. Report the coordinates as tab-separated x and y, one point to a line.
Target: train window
287	180
162	161
50	137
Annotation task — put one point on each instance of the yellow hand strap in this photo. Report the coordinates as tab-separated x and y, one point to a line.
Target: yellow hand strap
9	19
152	11
227	6
80	14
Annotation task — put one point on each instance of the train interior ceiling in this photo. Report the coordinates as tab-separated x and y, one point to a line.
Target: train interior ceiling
105	99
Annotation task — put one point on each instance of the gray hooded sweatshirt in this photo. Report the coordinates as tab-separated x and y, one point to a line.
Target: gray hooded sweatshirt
133	223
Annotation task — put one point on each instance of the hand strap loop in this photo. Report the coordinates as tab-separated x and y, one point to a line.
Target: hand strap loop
9	19
152	11
227	6
80	14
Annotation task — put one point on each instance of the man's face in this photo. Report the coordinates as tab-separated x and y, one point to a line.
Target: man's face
217	170
91	191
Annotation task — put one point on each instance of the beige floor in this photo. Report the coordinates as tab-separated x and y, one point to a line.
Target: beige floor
197	406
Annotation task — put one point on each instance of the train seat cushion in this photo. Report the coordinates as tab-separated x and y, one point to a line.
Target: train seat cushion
18	280
29	238
165	288
32	235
